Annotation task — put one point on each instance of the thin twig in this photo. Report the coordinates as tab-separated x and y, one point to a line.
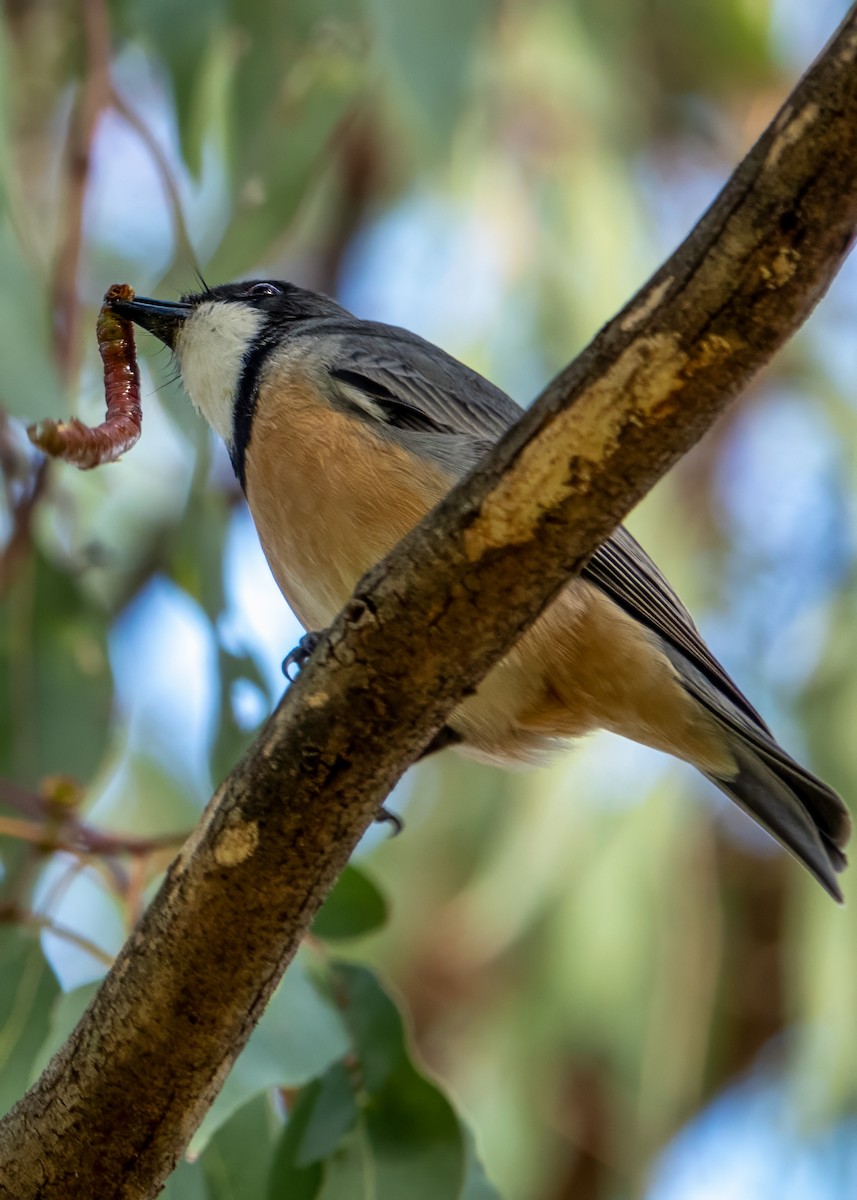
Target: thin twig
63	830
20	539
27	831
93	99
184	246
93	841
67	935
59	887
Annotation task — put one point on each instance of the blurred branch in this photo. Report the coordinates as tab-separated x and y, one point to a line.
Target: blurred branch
22	501
37	921
119	1101
82	839
357	147
97	94
56	826
93	98
50	824
590	1110
184	246
754	1012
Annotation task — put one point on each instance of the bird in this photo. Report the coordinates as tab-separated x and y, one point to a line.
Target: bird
343	433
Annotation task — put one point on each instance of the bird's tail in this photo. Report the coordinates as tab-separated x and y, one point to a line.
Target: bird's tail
806	816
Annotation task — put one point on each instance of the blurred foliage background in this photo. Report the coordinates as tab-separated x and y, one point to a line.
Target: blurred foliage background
613	985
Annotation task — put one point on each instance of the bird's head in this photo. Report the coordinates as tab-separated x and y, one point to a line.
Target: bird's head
222	335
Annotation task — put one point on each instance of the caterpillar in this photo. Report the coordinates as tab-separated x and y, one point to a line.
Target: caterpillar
86	446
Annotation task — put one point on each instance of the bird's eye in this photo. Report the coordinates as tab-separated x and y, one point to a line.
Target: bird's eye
264	289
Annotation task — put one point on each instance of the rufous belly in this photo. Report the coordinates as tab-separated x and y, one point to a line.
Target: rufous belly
330	498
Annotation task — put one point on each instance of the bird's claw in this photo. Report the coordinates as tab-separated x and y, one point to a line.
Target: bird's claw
384	815
298	657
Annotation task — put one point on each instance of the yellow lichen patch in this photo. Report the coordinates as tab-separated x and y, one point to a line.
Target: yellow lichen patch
197	834
710	351
317	700
649	371
780	270
236	842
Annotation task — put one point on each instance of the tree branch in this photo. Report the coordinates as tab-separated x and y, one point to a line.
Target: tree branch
115	1107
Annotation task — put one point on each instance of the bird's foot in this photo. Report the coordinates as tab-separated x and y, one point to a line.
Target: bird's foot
443	738
298	657
385	816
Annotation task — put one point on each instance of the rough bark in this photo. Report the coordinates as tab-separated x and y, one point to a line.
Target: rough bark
115	1107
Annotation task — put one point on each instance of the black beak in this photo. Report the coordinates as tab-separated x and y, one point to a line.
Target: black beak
163	318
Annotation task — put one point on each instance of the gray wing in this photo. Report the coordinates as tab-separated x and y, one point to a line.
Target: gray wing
443	410
623	570
419	386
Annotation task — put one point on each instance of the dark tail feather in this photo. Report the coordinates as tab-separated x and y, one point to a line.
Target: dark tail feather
801	812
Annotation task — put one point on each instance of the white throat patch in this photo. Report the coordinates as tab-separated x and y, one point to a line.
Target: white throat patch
211	348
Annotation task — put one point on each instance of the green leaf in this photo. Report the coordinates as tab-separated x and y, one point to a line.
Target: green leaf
187	1182
31	386
477	1185
382	1129
238	1158
349	1172
415	1139
55	709
299	1037
333	1115
409	1141
374	1024
231	740
376	1125
66	1011
181	35
147	799
427	50
27	992
355	906
196	551
288	1180
287	99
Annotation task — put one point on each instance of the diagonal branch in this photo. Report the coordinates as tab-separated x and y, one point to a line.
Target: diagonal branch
118	1103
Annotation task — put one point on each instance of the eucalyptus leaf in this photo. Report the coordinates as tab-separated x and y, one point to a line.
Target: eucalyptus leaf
355	907
187	1182
427	51
232	738
349	1171
27	993
270	187
66	1011
30	386
333	1115
299	1036
238	1158
289	1180
415	1139
477	1185
147	799
374	1126
181	35
408	1129
55	709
